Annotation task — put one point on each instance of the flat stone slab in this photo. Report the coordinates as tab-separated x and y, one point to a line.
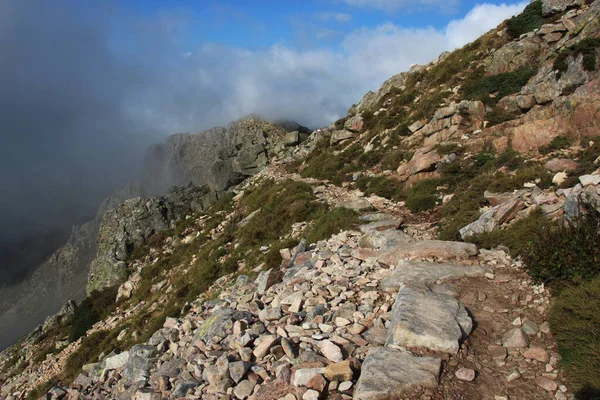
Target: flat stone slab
388	373
428	248
355	203
425	272
383	240
423	318
374	217
381	225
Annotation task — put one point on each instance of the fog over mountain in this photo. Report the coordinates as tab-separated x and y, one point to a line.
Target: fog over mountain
85	90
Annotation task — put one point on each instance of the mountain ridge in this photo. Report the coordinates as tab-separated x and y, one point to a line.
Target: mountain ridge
483	145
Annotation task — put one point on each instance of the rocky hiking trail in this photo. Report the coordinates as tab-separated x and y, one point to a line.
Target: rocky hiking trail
383	312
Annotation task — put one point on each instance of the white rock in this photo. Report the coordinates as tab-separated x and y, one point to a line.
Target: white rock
311	395
465	374
303	375
589	180
331	351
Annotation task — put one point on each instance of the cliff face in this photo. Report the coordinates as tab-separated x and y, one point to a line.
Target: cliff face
220	157
212	161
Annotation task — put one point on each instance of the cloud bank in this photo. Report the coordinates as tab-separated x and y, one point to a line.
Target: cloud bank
83	93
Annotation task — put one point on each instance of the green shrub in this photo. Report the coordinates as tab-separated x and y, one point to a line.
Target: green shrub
97	306
588	47
575	324
41	389
564	252
498	116
516	236
392	159
422	196
381	186
329	222
280	205
530	173
336	166
503	84
464	206
339	124
558	143
449	148
530	19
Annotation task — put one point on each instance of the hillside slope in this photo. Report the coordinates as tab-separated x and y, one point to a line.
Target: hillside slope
418	248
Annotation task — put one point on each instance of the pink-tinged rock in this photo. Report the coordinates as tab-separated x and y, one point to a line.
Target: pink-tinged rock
465	374
515	339
331	351
426	249
537	353
364	254
561	164
546	384
424	160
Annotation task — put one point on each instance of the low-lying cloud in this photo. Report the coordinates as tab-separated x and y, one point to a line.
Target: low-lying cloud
84	92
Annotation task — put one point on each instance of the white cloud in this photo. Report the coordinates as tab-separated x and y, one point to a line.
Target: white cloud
400	5
217	83
481	18
334	16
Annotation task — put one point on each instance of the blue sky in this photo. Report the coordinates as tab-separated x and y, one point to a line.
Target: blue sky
302	24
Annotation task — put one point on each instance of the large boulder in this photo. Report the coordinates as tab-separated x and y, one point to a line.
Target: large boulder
371	99
423	318
493	218
513	56
423	273
383	240
426	249
389	373
220	323
341	136
425	159
551	7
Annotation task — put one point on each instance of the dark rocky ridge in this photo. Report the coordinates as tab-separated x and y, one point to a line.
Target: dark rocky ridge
211	162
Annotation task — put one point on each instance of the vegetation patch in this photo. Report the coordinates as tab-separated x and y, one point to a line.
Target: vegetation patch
469	182
558	143
588	47
422	196
531	18
565	252
586	166
575	324
328	162
517	236
480	87
381	186
97	306
449	71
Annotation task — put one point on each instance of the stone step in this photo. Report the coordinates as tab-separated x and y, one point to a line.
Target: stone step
389	373
419	272
383	240
427	249
389	224
424	318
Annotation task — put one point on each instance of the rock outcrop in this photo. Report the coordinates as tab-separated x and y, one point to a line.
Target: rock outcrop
217	159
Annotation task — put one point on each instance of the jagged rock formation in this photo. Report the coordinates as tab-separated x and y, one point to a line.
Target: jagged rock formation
132	223
217	159
220	157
